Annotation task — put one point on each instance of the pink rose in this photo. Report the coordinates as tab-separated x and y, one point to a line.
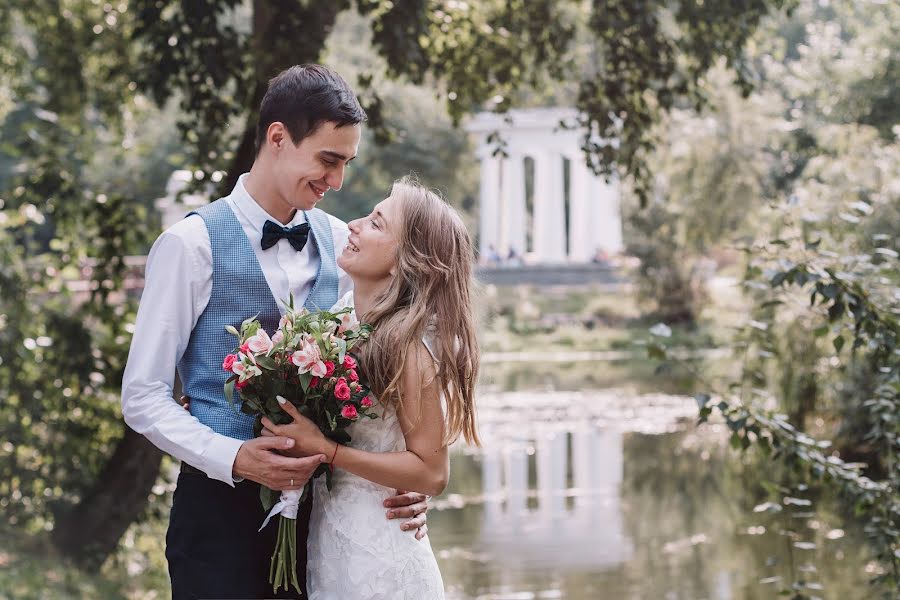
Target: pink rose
349	362
229	362
245	348
366	402
349	412
352	376
342	390
329	368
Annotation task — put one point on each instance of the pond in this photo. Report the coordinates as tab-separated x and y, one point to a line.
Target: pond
585	491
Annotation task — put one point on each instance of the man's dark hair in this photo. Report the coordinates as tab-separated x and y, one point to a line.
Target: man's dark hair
304	97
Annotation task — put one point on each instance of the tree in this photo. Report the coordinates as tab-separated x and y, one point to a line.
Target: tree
821	337
77	73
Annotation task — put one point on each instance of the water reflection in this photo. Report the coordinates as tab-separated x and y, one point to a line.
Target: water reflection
571	517
605	494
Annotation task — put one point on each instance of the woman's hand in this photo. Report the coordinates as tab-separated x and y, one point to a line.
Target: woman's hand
307	437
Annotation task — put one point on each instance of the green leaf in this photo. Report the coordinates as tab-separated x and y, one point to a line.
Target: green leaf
656	352
229	392
835	311
268	497
305	378
830	291
778	279
266	362
701	399
838	343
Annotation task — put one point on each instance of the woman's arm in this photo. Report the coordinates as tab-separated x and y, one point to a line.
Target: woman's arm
423	467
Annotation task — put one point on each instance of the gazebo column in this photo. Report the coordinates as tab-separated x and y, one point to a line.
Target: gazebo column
513	200
549	206
605	214
489	198
580	210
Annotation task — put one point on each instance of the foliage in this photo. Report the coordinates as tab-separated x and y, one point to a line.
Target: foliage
825	312
819	351
714	171
80	160
84	153
645	57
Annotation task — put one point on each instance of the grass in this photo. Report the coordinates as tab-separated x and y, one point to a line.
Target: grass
524	318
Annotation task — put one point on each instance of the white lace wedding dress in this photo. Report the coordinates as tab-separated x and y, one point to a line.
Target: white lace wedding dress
354	551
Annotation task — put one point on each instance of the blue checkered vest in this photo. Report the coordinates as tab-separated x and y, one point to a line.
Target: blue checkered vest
240	290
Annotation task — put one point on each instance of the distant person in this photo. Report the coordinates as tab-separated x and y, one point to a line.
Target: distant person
493	257
513	259
601	257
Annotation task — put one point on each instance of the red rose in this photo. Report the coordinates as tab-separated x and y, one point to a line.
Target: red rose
349	362
314	381
341	389
241	384
329	368
229	361
352	376
366	402
349	412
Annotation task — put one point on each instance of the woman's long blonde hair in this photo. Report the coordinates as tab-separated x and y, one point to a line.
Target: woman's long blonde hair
431	290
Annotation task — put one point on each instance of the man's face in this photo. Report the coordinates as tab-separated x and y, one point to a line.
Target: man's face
303	173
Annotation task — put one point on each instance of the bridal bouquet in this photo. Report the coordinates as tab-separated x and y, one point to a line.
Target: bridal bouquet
307	361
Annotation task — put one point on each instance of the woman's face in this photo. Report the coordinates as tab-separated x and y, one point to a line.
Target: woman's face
371	251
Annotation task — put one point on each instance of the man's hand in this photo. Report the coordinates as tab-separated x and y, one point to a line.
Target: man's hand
258	460
410	506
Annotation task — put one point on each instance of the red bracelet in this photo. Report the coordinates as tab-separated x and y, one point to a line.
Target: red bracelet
331	462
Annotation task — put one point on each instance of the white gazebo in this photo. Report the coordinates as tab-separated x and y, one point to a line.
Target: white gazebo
558	223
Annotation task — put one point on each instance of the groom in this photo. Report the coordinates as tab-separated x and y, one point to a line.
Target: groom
234	258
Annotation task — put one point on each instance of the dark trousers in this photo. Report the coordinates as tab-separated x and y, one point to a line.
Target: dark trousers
213	545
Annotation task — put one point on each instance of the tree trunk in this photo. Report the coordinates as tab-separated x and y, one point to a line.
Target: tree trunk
91	530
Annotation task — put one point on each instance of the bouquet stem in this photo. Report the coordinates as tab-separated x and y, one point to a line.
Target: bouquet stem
283	570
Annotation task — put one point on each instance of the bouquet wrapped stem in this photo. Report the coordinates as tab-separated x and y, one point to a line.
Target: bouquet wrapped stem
283	570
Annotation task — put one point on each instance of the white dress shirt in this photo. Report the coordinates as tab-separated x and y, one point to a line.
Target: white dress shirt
177	288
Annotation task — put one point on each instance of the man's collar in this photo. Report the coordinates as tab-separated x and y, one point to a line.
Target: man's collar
255	214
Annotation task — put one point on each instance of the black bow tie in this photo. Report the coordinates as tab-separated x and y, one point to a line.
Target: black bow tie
272	232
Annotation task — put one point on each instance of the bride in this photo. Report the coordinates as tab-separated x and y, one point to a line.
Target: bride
411	264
